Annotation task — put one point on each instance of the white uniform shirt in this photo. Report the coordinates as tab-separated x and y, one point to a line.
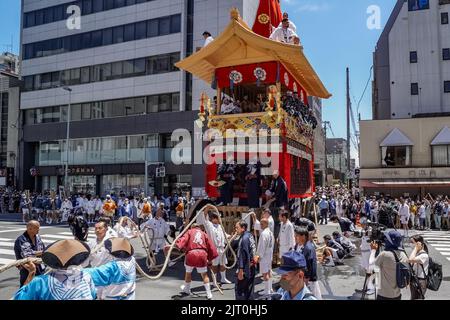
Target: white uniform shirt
404	214
283	35
160	229
66	205
271	225
265	246
422	212
100	257
208	41
98	204
291	26
123	232
286	236
215	232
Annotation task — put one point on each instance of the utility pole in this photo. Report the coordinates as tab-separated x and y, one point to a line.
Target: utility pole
325	124
348	124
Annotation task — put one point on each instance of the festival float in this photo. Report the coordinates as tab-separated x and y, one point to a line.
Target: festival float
240	63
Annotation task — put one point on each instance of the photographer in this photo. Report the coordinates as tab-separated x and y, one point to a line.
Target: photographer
420	260
387	265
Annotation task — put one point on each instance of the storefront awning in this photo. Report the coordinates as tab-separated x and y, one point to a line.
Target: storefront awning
403	182
443	137
396	138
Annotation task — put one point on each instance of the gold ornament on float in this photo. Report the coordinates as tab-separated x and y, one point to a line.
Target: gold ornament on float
263	18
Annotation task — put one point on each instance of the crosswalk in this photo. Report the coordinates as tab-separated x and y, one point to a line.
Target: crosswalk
7	245
439	240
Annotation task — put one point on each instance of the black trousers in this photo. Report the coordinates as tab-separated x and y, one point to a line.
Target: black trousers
245	288
323	216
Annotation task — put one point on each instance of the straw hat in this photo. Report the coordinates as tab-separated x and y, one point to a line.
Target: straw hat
64	253
119	247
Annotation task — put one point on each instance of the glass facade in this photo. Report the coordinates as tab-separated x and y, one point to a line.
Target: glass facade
108	150
4	97
166	102
163	63
166	25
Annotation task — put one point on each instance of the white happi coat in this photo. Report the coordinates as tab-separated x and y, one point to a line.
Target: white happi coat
215	233
123	232
286	237
160	228
265	247
271	225
65	209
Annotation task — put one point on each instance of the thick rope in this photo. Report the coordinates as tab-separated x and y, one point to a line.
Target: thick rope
20	262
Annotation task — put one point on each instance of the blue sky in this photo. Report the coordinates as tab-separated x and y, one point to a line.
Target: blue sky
334	34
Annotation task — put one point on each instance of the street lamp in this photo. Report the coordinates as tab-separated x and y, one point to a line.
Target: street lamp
66	170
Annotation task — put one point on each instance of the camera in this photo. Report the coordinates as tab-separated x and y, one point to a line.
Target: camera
374	231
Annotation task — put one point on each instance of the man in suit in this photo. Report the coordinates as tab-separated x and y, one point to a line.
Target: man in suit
246	261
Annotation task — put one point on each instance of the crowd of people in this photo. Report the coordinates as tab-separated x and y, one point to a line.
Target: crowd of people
275	238
51	208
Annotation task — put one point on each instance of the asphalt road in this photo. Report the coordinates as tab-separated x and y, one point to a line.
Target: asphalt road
337	283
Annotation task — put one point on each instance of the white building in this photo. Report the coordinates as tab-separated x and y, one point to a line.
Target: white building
126	92
412	61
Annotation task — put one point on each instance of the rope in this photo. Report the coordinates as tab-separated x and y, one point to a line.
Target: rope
19	263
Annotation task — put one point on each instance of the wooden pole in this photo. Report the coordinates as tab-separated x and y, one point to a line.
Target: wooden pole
219	100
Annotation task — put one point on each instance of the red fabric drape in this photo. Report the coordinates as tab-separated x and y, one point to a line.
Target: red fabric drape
269	14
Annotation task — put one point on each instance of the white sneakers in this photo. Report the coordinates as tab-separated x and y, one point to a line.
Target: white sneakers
225	280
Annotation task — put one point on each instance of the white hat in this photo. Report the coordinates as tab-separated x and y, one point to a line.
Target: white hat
324	196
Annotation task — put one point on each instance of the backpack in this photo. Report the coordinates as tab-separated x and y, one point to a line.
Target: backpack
403	272
434	276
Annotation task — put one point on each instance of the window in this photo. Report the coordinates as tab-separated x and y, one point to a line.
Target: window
152	104
86	40
413	56
414	89
161	64
174	58
28	83
441	155
59	13
128	67
139	66
176	102
131	2
86	111
175	24
118	34
87	7
96	73
446	54
446	86
97	6
152	28
164	26
75	112
29	19
108	4
96	40
55	79
129	106
37	82
97	110
165	102
444	17
119	3
46	80
139	105
29	116
129	32
398	156
48	15
39	16
118	108
116	69
107	37
414	5
75	76
85	73
65	77
141	30
106	72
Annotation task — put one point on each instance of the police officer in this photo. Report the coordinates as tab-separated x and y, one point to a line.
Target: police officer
292	281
